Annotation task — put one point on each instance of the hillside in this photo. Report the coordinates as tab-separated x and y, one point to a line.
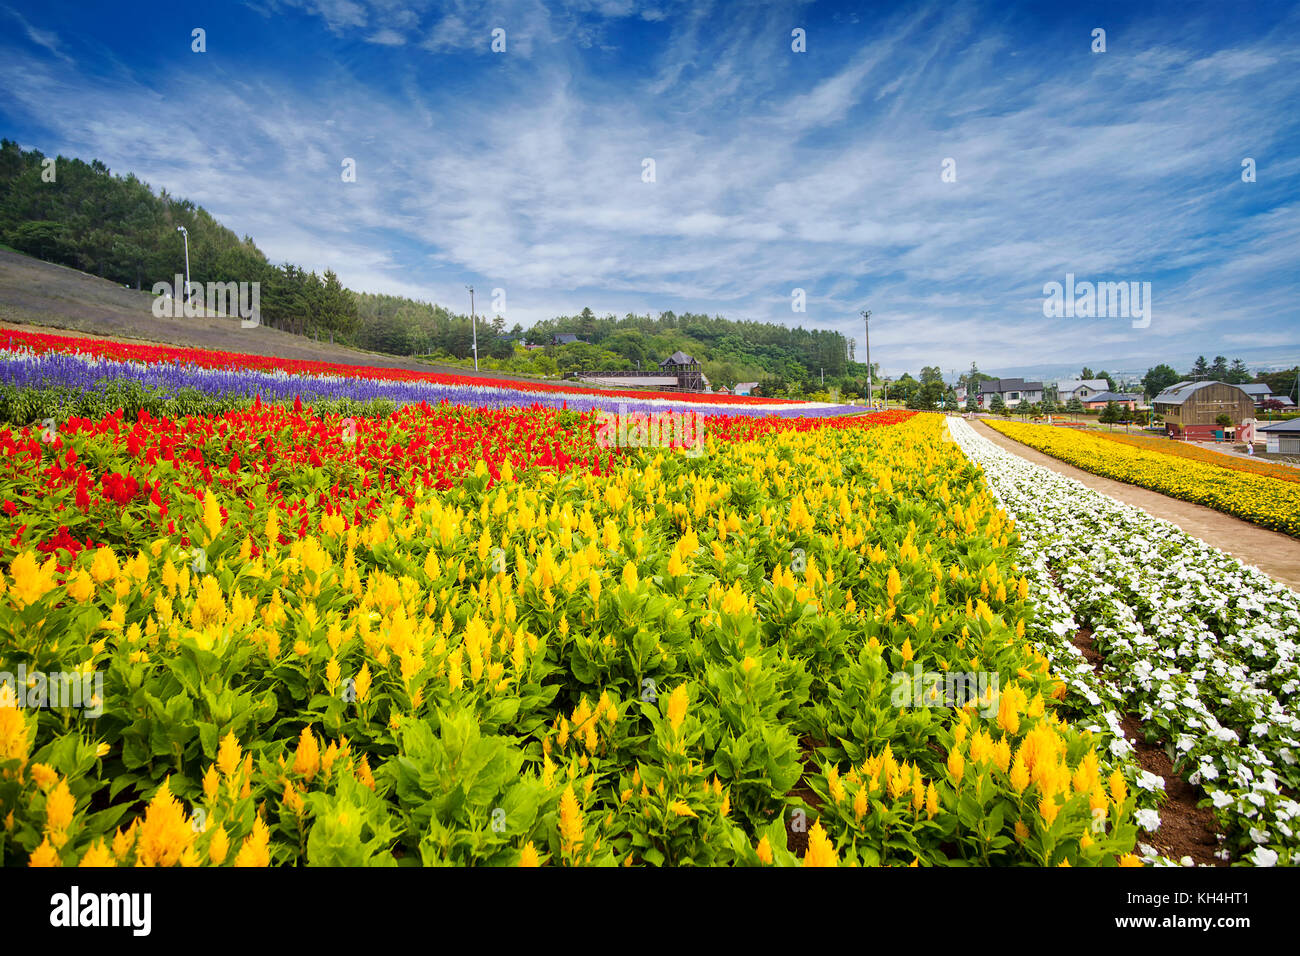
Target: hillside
38	293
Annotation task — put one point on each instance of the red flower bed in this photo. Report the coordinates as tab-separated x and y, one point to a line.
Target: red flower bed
112	474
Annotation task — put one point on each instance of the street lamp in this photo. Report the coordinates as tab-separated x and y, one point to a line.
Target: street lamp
866	325
185	234
473	323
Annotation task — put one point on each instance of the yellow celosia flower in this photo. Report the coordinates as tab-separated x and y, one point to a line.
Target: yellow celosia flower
1019	774
97	856
956	765
820	852
43	775
165	833
44	855
60	806
306	759
571	834
528	855
212	520
218	846
255	850
31	581
764	851
228	755
1118	788
79	585
677	704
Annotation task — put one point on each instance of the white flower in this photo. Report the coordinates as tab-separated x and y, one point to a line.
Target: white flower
1263	856
1150	781
1148	820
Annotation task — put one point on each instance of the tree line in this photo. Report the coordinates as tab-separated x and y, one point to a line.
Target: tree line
79	214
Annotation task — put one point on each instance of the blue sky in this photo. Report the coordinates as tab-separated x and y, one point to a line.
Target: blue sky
774	170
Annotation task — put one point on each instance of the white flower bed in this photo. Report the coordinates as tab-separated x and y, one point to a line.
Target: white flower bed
1200	646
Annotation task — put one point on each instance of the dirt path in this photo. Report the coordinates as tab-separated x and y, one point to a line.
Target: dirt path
1277	555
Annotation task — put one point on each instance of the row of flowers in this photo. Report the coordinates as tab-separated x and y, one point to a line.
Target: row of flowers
1206	456
671	659
1256	498
325	375
1202	648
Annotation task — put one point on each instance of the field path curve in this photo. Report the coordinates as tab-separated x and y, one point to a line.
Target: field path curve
1276	554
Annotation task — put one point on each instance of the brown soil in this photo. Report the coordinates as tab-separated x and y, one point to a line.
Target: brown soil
1277	555
1185	829
796	841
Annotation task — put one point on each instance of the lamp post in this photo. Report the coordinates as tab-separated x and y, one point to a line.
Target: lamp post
185	235
473	323
866	325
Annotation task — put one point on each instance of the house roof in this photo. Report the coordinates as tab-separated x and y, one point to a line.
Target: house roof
566	338
1115	397
678	358
1256	388
1292	425
1177	394
1001	385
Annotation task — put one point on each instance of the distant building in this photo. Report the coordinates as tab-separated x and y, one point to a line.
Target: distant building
1261	393
745	388
1080	388
566	338
1013	391
689	376
1190	408
678	372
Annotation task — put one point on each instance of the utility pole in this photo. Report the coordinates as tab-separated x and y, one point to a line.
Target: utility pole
185	234
866	325
473	323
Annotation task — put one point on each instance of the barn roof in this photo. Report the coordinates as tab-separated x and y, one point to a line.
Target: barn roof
1177	394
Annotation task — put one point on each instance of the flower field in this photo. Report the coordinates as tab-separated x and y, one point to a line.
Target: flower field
470	633
1181	449
1262	500
1202	648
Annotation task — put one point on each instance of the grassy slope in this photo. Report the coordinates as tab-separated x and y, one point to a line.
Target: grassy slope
62	300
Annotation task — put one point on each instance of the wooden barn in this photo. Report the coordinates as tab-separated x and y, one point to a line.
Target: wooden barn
1190	409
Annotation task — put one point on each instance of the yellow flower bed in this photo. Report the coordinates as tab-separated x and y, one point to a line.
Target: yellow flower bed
1259	499
623	668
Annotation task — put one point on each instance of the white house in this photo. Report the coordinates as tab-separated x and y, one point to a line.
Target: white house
1282	438
1013	391
1080	388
